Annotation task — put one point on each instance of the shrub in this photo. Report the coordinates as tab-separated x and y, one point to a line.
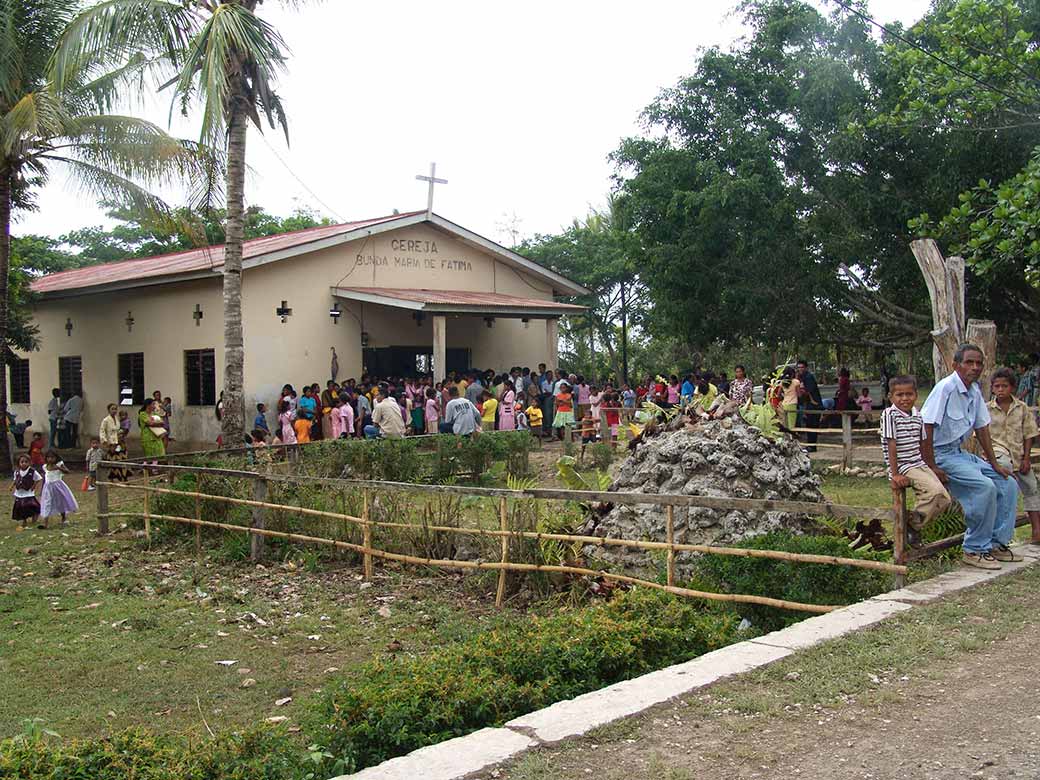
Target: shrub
393	706
260	754
810	583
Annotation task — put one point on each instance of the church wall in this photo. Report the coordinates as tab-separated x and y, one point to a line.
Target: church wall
296	351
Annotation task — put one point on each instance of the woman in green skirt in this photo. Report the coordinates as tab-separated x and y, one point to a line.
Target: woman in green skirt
150	421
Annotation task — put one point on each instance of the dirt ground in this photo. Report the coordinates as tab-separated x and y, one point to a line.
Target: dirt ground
884	707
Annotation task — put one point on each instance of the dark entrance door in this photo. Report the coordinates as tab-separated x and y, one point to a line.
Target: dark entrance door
409	361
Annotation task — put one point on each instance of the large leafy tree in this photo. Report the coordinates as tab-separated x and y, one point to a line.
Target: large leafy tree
762	174
600	252
970	71
44	125
222	54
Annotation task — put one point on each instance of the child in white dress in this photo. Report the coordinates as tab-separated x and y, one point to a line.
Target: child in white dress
56	499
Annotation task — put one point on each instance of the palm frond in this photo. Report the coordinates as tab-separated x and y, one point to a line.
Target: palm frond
111	33
35	115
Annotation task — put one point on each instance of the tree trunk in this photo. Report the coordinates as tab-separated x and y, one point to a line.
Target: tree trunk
5	270
232	422
945	280
983	334
624	337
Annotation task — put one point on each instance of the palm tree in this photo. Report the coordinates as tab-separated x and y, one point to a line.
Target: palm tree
223	54
118	158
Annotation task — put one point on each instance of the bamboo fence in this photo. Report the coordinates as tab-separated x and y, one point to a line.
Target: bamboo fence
369	551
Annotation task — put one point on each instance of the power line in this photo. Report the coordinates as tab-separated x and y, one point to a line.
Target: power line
301	182
913	44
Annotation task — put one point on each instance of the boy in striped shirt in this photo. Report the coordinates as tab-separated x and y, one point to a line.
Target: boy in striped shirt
902	431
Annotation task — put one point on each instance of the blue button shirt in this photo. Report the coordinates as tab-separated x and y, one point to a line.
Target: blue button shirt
954	410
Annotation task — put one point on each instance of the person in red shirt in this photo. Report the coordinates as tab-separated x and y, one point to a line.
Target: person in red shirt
612	406
36	451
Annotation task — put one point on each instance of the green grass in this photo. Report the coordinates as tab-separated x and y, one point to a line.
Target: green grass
98	635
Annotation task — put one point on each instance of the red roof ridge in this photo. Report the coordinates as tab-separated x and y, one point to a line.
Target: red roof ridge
214	252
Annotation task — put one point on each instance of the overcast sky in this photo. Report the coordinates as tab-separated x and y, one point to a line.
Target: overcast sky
519	105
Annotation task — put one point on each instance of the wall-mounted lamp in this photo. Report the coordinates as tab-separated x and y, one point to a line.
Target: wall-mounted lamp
68	326
364	338
526	322
489	321
197	315
419	318
335	312
129	321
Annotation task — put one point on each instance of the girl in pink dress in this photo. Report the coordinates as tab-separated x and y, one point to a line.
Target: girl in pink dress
432	410
507	409
286	418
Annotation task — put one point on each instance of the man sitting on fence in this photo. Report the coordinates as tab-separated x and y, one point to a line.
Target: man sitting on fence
460	415
954	409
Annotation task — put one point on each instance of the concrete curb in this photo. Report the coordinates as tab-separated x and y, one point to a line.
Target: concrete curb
464	756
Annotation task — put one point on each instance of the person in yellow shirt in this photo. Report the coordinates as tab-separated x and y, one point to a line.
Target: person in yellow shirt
488	410
534	419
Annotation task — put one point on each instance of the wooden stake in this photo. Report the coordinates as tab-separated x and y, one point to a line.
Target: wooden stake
198	515
503	524
147	520
899	556
846	441
256	546
671	545
102	500
366	531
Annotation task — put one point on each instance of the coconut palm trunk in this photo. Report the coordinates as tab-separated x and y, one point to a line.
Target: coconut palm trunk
232	422
5	270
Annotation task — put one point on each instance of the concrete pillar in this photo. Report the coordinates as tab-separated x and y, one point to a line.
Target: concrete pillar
552	343
440	350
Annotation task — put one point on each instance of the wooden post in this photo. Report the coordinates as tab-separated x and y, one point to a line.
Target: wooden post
983	334
899	521
671	544
147	519
503	523
256	541
604	429
846	441
198	514
366	530
102	500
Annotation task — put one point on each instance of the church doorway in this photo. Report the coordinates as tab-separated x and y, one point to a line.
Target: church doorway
410	361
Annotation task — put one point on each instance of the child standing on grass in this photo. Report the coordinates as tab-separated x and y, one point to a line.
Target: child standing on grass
534	419
93	457
902	431
564	416
26	503
866	403
56	498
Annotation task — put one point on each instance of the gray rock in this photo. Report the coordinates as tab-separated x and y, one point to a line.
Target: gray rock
712	460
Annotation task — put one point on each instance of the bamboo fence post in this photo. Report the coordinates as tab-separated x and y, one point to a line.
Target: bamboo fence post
198	515
102	500
256	541
366	530
846	441
899	555
147	519
503	522
671	544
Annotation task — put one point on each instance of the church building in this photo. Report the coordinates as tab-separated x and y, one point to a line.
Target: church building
399	295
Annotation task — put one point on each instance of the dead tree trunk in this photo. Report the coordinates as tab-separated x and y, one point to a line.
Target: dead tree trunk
945	280
983	333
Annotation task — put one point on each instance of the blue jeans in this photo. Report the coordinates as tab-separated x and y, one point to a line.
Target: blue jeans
989	501
372	432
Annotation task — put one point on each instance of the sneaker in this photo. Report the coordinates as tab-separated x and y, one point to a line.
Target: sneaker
980	561
1005	554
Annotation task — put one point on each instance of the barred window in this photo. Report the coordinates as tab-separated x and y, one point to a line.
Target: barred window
200	377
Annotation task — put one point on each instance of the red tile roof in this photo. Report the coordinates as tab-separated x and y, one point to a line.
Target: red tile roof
192	260
462	298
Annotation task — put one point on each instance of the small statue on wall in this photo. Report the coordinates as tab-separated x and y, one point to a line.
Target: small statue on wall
334	368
